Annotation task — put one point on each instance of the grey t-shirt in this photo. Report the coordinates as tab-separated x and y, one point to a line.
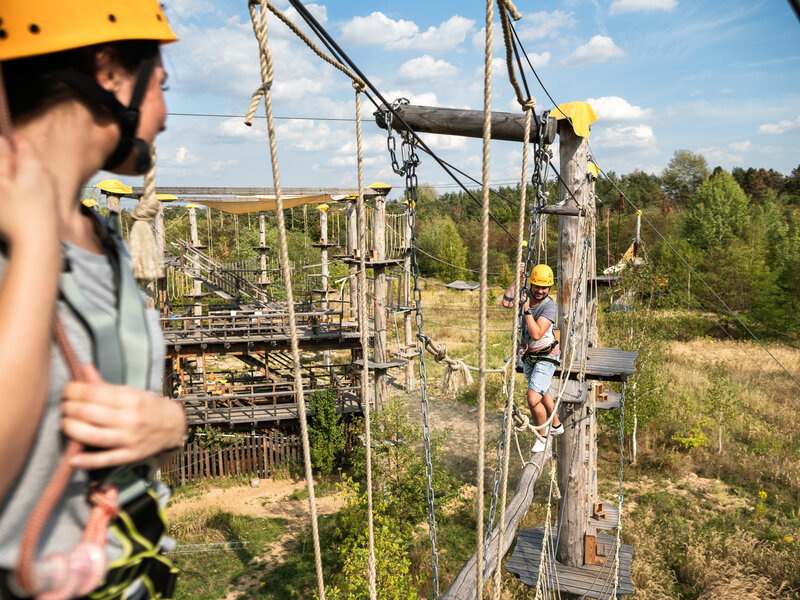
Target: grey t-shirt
94	276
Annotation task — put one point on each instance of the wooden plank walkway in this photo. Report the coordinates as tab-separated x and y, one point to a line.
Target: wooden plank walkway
610	520
198	412
589	580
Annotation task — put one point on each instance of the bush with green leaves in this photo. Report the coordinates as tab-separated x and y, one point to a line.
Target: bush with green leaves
325	430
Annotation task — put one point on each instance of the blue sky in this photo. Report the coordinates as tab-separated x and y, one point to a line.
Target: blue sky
717	78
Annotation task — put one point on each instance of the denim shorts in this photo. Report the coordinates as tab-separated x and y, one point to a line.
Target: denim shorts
539	375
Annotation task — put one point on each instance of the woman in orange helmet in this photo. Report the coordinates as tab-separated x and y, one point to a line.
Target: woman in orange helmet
538	346
84	82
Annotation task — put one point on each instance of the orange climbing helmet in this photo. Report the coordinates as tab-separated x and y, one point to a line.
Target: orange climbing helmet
33	28
542	275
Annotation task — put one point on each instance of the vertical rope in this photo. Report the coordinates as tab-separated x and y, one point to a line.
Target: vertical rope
363	325
487	137
267	73
146	262
514	344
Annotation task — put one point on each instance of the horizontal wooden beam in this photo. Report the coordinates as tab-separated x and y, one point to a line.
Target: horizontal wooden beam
229	193
465	123
564	211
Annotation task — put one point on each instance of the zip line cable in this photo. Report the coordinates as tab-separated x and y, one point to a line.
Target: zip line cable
703	281
334	48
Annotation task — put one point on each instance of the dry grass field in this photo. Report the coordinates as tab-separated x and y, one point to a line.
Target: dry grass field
711	504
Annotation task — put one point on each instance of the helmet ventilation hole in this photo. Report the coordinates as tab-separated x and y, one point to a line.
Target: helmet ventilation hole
112	18
34	28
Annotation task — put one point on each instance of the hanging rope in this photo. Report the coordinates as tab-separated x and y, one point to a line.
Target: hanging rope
363	325
267	72
503	457
147	264
487	137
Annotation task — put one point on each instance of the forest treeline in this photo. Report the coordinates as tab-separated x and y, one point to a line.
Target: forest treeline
739	230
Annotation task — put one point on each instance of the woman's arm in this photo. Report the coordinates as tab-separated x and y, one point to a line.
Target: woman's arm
28	291
127	423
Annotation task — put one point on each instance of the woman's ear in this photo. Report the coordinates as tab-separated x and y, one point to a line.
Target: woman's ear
108	72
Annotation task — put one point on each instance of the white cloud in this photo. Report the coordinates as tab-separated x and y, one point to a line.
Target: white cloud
219	165
424	99
444	142
539	25
619	7
185	9
628	136
309	136
289	89
426	68
614	108
597	50
235	128
539	60
729	154
182	157
366	30
479	38
784	126
447	36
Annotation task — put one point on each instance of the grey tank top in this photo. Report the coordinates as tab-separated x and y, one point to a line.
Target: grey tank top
94	276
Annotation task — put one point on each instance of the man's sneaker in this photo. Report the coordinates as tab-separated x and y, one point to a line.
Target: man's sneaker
538	446
557	430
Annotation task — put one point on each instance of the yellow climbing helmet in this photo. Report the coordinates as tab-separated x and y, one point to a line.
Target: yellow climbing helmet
542	275
30	28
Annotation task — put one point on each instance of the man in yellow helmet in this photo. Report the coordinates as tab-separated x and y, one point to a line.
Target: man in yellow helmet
538	346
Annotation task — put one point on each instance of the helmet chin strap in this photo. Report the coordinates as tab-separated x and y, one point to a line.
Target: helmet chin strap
127	116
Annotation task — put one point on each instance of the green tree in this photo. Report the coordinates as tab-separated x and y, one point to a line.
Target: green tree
718	213
683	175
325	430
451	251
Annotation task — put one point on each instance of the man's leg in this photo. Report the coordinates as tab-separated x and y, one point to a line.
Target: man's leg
549	405
538	411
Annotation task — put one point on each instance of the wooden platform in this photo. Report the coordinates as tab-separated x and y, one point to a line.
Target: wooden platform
606	364
610	520
589	580
213	411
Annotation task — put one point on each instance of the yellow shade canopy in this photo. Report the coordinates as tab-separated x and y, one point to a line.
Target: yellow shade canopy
247	204
592	168
90	202
191	205
323	207
113	186
581	114
166	197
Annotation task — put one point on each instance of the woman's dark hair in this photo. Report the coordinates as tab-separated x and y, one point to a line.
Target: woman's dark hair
31	88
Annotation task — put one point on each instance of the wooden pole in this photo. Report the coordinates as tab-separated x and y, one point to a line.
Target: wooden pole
323	238
159	287
262	247
197	288
352	245
466	123
464	586
572	285
591	267
379	271
637	240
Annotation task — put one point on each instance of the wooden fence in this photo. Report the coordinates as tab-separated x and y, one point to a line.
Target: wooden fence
262	456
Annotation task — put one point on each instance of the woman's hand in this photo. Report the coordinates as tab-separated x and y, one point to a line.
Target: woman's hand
26	187
126	423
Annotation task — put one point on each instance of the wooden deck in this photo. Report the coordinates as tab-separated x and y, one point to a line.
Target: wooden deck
606	364
589	580
610	520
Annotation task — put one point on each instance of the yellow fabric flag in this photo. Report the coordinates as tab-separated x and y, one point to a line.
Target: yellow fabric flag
581	113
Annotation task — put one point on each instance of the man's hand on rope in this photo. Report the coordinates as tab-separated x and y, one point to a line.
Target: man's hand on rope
126	423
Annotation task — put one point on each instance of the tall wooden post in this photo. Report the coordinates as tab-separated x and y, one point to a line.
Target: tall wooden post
160	286
637	240
197	288
323	238
352	246
572	285
379	270
408	337
591	265
262	248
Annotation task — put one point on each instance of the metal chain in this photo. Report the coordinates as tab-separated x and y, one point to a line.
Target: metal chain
410	161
